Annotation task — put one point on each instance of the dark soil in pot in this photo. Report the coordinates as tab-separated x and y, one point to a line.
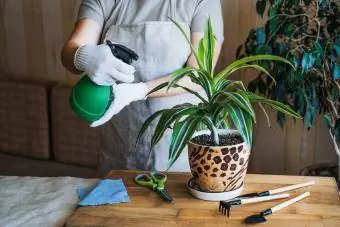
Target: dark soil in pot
225	140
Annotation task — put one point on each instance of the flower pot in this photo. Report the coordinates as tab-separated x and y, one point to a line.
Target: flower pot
218	168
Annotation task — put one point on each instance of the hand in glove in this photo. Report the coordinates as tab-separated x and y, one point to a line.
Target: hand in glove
102	66
124	95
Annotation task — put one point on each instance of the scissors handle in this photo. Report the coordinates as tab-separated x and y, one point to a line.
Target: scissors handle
146	181
158	177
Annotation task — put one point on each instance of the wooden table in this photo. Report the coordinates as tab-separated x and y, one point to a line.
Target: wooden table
322	208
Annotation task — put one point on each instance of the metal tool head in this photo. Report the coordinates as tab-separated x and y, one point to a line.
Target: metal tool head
255	219
224	208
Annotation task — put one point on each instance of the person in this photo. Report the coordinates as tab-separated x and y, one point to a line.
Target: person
144	27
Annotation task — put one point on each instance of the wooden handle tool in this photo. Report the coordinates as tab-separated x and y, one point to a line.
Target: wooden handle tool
258	218
278	190
225	206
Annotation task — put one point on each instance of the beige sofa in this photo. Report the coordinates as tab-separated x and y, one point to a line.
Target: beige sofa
41	136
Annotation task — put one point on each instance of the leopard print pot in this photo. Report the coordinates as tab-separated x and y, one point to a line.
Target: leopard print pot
218	169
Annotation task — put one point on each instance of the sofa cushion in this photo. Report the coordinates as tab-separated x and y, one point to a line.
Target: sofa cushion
24	128
11	165
73	141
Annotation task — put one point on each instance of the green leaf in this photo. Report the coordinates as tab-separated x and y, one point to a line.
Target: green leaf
179	74
246	60
261	7
308	61
275	104
181	135
241	100
159	87
336	72
209	47
258	67
242	121
189	42
201	53
295	62
207	83
192	92
278	2
147	123
328	121
260	36
168	117
224	85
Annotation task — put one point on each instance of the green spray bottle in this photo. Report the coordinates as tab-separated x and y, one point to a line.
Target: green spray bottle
90	101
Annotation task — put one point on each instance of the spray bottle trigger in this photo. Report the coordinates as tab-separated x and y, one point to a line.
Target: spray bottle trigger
122	52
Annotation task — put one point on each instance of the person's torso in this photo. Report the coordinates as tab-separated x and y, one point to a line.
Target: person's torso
129	12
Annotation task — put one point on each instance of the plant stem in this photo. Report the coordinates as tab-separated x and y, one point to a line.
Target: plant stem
215	136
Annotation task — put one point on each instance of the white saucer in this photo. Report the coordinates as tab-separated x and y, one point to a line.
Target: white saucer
212	196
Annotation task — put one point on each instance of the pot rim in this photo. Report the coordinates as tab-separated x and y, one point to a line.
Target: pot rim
223	131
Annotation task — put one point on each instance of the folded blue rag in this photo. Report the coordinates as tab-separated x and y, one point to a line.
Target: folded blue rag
105	192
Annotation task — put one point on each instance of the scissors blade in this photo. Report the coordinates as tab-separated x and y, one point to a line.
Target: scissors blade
164	194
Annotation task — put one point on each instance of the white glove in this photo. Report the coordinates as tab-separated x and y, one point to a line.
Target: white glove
124	95
102	66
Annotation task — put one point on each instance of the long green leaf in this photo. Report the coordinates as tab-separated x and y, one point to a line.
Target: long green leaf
223	85
245	66
246	60
178	74
207	82
192	92
242	121
147	123
169	117
209	47
159	87
201	53
238	98
181	135
275	104
189	42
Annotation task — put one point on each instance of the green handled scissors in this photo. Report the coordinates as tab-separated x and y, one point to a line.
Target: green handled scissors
155	181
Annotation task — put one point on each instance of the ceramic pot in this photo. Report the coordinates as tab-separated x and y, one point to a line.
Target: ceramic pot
218	168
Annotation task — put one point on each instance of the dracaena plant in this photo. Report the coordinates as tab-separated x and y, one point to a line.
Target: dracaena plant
226	102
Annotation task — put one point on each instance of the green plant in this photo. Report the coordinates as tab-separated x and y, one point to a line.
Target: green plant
306	33
226	100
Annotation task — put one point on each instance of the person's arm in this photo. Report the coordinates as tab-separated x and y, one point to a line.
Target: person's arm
86	31
82	53
195	38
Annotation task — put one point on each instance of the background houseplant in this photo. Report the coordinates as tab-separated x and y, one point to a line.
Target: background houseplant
307	33
227	104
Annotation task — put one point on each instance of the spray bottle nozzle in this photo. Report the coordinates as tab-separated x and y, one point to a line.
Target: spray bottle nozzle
122	52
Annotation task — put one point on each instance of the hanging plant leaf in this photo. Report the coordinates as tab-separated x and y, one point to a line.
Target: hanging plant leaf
277	2
336	72
337	129
260	36
328	121
261	7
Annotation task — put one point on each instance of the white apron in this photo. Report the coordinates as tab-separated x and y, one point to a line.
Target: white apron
162	49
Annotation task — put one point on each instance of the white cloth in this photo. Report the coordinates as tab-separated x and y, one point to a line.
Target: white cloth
37	201
101	66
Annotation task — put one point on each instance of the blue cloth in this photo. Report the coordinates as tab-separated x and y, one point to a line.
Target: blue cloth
105	192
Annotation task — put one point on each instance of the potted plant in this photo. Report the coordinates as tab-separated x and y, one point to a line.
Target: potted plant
218	156
306	33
